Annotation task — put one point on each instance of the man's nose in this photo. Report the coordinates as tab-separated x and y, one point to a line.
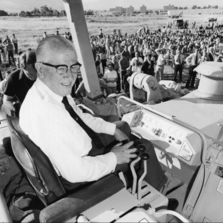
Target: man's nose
69	75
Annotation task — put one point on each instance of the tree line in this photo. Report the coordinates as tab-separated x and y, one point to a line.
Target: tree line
40	12
205	7
198	7
36	12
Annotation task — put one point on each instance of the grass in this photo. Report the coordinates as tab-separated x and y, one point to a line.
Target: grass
29	30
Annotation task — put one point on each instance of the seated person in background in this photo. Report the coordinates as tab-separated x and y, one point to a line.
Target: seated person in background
74	141
111	77
19	82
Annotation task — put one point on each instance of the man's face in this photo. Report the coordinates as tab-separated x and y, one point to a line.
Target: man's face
60	84
110	67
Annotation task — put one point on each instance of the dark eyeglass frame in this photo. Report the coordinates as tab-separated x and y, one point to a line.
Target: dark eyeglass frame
63	65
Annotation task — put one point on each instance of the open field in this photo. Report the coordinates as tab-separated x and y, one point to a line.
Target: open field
29	30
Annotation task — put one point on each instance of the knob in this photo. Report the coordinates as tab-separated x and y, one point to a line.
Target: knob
141	148
145	156
162	155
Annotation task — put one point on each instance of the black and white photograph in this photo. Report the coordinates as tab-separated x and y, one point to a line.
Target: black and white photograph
111	111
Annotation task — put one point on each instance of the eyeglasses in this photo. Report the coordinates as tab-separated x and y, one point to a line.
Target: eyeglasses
62	68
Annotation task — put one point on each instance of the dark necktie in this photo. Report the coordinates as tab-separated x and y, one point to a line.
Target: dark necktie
196	60
179	60
95	139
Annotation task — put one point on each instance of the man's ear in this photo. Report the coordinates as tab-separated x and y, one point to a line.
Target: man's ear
39	69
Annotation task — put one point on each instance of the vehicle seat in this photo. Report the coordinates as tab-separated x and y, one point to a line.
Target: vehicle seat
37	166
60	207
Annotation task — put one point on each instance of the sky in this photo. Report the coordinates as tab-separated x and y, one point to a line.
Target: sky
28	5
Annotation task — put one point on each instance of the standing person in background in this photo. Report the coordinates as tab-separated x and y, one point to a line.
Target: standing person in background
14	41
100	35
210	54
115	61
6	40
98	65
123	65
192	60
204	55
148	65
178	65
126	53
44	35
18	64
136	63
111	77
9	49
2	52
57	33
161	61
103	58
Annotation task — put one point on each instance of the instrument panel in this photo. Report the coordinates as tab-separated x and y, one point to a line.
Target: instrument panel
169	137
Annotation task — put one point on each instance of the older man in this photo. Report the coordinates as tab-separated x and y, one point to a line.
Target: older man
46	118
70	138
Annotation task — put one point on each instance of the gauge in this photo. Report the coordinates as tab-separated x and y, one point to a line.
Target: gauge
178	133
171	129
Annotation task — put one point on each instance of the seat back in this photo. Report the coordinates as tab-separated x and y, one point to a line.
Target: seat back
37	166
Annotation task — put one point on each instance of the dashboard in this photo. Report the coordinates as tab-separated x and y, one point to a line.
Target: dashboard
169	137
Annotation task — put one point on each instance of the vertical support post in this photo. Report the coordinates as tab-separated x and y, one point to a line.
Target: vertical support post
79	32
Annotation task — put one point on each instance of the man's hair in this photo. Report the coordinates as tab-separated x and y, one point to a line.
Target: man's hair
52	43
28	57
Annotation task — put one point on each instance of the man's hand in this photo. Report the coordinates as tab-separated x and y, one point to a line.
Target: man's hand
8	107
120	136
123	153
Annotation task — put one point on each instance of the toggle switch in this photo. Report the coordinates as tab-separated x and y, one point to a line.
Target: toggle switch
178	142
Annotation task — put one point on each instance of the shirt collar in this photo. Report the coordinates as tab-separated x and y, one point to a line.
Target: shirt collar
43	87
21	74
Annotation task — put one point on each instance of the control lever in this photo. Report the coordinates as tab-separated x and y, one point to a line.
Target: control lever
144	157
141	149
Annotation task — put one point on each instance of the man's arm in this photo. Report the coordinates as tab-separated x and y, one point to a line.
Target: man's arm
99	125
188	59
68	149
158	50
7	105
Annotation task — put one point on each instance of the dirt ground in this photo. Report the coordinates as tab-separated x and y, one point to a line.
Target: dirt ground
29	30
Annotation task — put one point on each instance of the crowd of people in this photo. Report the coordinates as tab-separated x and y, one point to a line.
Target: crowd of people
8	49
149	51
118	55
